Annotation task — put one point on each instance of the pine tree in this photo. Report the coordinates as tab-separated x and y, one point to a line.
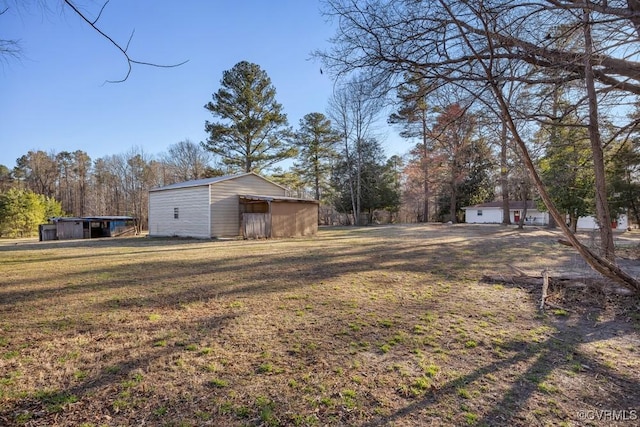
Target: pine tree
566	169
414	117
253	133
316	142
624	179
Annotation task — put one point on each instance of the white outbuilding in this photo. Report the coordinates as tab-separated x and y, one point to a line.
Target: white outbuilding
217	207
491	213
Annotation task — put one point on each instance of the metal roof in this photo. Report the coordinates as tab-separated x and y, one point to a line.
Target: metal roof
207	181
275	199
92	218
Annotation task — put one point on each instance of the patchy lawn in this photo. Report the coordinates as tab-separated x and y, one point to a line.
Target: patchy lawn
358	326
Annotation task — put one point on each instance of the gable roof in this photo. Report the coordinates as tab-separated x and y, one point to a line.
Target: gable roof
513	205
209	181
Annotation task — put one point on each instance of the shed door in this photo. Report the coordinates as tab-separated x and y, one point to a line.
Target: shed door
256	225
516	216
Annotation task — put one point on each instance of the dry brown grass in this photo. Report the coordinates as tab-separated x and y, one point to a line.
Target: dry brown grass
367	326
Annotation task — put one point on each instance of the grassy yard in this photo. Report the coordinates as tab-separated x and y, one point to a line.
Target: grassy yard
358	326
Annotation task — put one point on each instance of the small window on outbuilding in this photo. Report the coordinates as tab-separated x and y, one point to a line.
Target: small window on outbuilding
479	212
175	213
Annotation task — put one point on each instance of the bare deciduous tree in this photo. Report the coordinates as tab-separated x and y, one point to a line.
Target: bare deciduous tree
466	43
186	161
354	112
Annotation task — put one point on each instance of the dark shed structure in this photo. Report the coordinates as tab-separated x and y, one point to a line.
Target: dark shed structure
64	228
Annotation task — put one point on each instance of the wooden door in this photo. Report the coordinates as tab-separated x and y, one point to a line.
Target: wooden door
256	225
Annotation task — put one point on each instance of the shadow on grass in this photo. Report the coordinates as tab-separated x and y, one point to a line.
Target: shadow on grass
283	269
607	392
44	405
289	267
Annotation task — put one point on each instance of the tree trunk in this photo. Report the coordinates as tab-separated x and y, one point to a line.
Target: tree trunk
636	214
316	174
425	167
453	202
524	212
573	222
354	206
524	196
358	186
602	207
504	176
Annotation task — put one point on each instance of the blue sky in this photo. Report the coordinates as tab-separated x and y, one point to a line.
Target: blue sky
54	98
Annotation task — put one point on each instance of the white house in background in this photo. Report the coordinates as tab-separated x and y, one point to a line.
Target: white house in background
205	208
491	213
590	223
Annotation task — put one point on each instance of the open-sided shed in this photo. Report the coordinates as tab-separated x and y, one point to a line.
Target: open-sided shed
268	216
64	228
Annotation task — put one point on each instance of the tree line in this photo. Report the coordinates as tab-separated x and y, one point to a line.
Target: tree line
337	159
112	185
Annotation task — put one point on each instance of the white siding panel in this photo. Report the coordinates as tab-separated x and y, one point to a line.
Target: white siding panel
492	215
590	222
587	222
193	212
535	217
623	222
225	205
489	216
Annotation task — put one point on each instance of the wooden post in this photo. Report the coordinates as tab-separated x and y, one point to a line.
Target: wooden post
545	287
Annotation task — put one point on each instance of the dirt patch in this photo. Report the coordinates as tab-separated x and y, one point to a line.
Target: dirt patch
359	326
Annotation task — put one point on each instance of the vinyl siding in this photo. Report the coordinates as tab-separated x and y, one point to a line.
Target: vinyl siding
225	205
489	216
534	217
493	215
590	222
193	212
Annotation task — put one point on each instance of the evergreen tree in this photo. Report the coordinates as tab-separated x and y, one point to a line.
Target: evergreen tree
378	178
316	142
253	133
566	169
624	180
21	211
388	186
414	117
38	171
478	186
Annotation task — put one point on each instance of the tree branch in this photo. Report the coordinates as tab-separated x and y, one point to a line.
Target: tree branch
130	61
100	13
